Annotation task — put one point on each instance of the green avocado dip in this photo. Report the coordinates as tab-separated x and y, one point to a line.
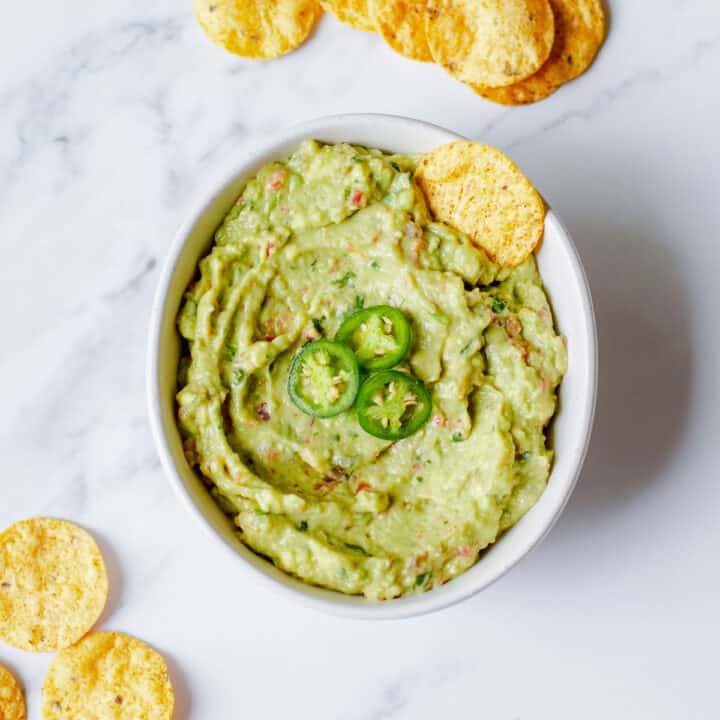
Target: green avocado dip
335	229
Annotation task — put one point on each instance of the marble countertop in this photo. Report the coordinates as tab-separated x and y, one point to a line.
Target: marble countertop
112	115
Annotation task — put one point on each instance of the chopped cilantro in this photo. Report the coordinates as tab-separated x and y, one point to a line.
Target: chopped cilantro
359	302
497	305
524	456
303	526
317	324
375	265
345	279
457	437
356	548
238	375
230	350
395	165
419	478
421	579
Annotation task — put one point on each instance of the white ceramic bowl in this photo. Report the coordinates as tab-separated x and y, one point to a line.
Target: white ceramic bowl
564	279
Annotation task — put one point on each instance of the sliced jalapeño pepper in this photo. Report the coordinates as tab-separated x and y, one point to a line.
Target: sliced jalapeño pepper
380	336
392	405
323	379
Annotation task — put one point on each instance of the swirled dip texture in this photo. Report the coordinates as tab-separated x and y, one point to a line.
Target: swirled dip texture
334	228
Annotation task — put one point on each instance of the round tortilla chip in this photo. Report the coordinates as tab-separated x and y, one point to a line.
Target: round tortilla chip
402	25
491	43
579	33
108	676
259	29
12	702
352	12
53	584
481	192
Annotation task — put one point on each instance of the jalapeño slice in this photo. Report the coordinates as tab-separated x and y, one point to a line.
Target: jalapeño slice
323	379
392	405
380	336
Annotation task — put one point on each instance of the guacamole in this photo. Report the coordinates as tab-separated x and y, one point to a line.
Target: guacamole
334	229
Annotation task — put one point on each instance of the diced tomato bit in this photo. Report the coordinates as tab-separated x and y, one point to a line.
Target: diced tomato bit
311	334
327	485
363	486
512	326
269	337
358	199
439	420
467	550
276	179
262	412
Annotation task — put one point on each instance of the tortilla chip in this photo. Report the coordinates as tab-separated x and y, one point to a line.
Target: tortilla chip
402	25
53	584
491	43
108	676
260	29
352	12
579	33
480	191
12	702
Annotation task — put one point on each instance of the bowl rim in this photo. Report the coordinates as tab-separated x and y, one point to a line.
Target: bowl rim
220	181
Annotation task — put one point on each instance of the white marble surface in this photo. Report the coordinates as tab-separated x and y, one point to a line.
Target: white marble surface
111	116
